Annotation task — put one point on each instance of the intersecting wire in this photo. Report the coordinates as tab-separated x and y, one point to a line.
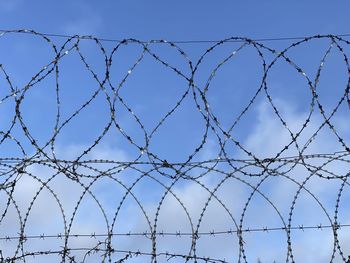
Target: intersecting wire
85	172
102	39
212	233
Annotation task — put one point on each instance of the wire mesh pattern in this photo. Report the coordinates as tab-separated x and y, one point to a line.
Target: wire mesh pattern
30	160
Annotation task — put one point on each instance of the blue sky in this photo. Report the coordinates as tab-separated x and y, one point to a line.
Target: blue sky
151	91
178	19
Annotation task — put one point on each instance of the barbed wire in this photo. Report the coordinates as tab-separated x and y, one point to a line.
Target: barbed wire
179	234
36	164
191	41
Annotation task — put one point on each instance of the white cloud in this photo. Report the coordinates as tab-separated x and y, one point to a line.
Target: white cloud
43	206
268	137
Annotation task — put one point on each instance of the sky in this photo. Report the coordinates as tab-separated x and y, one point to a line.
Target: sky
178	19
213	202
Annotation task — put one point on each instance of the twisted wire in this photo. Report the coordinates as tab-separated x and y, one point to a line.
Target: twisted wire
84	171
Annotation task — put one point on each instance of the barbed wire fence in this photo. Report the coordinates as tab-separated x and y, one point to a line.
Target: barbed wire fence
38	163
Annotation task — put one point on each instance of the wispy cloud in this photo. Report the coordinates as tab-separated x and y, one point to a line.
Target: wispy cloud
204	204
